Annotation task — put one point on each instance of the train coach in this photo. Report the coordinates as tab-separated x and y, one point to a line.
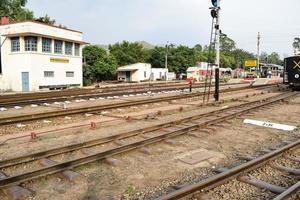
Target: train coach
292	71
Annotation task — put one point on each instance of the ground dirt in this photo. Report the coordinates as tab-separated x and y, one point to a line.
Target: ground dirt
141	176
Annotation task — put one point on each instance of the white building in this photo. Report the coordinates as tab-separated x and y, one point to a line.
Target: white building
199	72
159	74
35	55
141	72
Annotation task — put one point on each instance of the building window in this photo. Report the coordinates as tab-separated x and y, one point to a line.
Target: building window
48	73
69	74
30	43
77	49
58	46
68	48
46	45
15	44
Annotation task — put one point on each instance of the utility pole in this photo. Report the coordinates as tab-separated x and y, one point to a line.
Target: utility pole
258	52
166	61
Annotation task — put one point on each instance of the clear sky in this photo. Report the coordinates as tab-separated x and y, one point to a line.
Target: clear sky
184	22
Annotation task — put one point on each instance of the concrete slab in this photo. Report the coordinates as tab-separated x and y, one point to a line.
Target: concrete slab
15	192
67	175
199	158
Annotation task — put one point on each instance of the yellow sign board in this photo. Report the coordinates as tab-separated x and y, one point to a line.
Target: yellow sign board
59	60
250	63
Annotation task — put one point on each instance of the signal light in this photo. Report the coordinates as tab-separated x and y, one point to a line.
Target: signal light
213	13
215	3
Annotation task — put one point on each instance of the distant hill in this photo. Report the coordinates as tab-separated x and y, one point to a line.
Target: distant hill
145	44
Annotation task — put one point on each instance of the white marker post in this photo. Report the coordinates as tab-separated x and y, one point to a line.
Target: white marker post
270	125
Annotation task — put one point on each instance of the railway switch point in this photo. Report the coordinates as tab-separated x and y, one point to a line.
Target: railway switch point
262	184
93	125
113	162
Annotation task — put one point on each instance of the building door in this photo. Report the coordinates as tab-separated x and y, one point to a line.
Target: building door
25	81
127	76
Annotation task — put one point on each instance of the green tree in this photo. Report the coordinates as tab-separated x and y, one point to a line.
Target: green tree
274	58
98	65
127	53
156	57
240	56
15	9
227	44
46	19
180	58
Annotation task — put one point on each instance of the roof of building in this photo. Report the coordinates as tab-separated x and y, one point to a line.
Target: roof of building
37	22
132	67
42	35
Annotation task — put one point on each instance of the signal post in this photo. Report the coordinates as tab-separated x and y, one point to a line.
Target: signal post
216	14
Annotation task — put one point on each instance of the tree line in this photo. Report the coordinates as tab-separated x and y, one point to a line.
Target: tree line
101	64
16	11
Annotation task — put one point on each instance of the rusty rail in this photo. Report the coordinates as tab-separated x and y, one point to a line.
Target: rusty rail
50	97
73	111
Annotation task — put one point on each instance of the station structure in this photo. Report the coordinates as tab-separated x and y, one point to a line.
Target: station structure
37	56
142	72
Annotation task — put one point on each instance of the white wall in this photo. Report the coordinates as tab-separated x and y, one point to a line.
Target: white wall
14	63
159	73
140	76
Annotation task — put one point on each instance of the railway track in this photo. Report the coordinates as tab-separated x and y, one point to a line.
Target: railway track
144	137
93	109
240	173
7	101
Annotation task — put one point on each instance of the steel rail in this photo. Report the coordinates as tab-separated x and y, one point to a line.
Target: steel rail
73	111
116	151
39	98
289	192
224	177
94	142
93	90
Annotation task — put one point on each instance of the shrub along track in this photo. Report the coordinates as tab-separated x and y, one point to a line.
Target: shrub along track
170	130
239	174
91	109
68	95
